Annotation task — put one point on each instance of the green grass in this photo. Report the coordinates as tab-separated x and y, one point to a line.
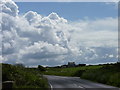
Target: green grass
71	71
23	77
107	74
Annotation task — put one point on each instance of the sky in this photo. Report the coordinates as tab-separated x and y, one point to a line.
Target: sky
66	0
71	10
53	34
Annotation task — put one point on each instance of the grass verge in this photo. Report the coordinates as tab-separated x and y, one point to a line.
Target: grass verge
23	77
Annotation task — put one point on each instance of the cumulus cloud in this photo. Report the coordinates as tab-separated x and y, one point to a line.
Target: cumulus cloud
34	39
9	7
32	17
43	50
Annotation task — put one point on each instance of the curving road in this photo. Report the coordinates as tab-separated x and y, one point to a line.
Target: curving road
75	83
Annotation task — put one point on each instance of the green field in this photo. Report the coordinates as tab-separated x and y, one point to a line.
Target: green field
23	77
107	74
71	71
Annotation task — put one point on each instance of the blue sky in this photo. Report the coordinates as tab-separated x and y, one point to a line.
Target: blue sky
69	10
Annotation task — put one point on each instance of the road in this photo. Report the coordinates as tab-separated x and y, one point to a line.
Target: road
75	83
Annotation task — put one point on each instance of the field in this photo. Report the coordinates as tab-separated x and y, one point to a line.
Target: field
106	74
23	77
71	71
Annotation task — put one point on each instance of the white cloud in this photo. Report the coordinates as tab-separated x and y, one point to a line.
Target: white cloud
95	33
34	39
32	17
44	49
9	7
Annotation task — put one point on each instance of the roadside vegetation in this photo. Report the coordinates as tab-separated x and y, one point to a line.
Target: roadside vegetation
106	74
33	77
0	72
24	77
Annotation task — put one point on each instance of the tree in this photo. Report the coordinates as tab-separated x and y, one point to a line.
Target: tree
20	65
41	68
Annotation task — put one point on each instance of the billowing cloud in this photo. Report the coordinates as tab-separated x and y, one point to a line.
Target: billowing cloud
9	7
32	17
34	39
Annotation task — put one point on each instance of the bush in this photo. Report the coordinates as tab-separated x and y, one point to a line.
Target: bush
41	68
78	73
115	79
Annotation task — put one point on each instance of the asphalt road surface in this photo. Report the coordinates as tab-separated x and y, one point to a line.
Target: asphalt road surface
75	83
